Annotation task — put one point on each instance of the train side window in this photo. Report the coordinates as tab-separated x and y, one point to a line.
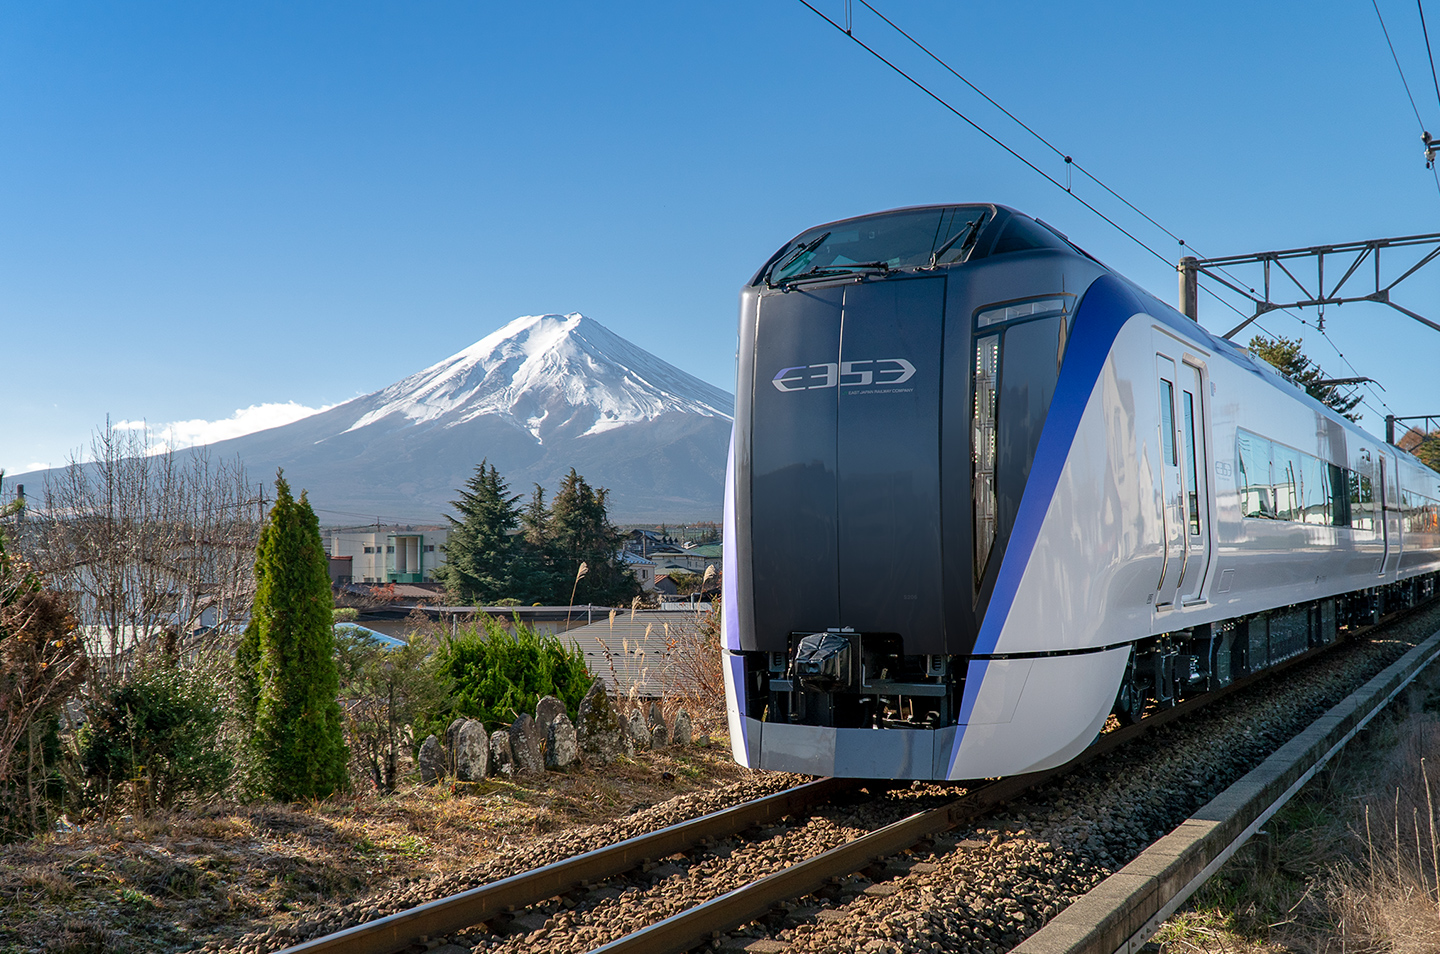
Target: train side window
1362	501
983	447
1256	491
1314	494
1194	496
1286	465
1167	421
1339	497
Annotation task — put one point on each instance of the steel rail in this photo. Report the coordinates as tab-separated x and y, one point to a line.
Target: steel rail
1121	914
688	929
457	912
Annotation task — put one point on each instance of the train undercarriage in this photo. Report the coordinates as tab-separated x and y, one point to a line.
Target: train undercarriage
849	680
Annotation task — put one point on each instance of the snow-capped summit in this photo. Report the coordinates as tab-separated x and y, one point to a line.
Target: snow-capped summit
550	375
543	394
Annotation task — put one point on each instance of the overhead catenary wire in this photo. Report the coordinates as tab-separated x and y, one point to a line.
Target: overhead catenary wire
1069	160
984	132
1398	68
1421	6
848	30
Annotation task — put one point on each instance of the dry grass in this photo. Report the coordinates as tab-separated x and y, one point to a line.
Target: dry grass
1352	864
170	880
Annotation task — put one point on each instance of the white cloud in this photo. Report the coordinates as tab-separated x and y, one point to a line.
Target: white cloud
257	417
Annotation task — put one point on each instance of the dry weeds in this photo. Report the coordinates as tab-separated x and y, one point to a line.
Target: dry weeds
1350	866
173	881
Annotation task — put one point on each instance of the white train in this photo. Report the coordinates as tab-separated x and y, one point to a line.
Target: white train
983	491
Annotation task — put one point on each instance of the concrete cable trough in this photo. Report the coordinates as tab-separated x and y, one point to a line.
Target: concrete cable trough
1127	908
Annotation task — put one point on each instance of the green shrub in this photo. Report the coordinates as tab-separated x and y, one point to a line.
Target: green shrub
160	731
498	674
383	691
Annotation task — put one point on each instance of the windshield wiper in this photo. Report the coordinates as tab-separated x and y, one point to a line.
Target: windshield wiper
794	256
969	235
827	271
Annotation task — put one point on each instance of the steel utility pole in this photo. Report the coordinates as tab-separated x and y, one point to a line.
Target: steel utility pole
1432	423
1189	288
1311	292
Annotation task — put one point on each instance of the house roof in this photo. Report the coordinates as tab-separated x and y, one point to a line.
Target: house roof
388	642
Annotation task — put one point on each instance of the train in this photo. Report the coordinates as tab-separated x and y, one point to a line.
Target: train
983	493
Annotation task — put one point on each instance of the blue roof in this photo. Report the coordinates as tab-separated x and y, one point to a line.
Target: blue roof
389	642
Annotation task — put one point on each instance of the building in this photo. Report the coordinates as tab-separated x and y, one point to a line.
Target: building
386	554
642	569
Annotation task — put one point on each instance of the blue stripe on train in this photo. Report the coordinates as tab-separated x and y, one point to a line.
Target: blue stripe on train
1107	305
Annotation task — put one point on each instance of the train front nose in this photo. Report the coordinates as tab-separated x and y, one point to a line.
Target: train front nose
846	538
888	409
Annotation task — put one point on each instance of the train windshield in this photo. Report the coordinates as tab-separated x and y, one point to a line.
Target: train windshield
908	239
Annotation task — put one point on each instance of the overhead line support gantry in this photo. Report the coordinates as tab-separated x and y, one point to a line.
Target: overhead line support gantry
1191	268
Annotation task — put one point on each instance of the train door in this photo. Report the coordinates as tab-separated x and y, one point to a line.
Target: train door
1172	485
1195	471
1387	505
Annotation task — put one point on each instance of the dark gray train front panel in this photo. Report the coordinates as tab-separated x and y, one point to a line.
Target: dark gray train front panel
851	502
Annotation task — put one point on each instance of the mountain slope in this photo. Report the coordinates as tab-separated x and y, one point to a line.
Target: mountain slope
537	397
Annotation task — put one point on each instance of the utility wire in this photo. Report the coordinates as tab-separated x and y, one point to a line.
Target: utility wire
985	132
849	32
1398	68
1069	161
1428	54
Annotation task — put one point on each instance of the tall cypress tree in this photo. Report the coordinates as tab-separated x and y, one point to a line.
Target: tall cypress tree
581	532
286	658
480	549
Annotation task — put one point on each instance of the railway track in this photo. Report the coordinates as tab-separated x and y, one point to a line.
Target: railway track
695	882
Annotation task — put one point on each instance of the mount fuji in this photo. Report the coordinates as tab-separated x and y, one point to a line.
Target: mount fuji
541	395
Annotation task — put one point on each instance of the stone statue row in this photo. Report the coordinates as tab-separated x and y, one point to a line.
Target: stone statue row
548	740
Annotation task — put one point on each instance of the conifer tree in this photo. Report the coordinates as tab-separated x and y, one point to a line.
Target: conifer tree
480	550
1287	358
536	575
286	658
581	532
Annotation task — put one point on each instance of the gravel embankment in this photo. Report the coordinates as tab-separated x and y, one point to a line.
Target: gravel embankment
981	890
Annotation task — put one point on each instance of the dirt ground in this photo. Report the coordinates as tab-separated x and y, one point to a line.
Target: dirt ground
175	881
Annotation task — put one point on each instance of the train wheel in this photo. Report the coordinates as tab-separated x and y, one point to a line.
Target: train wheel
1130	701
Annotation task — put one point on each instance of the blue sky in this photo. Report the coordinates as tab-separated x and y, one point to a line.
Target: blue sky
209	207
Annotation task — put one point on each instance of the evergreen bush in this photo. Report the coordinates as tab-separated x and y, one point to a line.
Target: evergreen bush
286	659
159	730
497	673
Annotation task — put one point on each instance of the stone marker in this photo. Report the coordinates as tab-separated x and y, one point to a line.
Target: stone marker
502	759
638	730
659	731
452	740
546	710
561	750
429	759
655	715
472	752
682	730
598	729
525	746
